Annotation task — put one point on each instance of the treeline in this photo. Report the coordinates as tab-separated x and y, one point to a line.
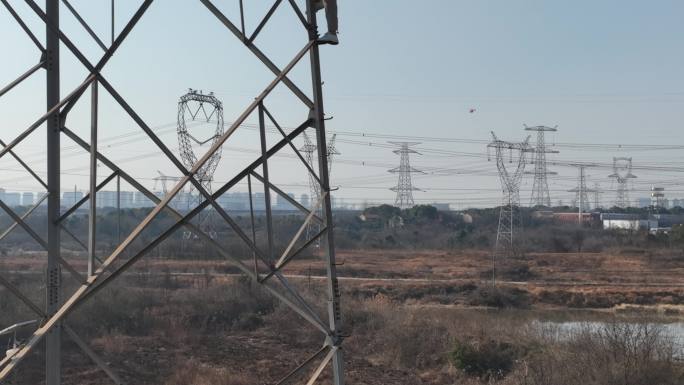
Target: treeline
380	227
424	227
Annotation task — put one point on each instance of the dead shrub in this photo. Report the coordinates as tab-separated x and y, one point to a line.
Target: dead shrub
499	297
612	354
486	359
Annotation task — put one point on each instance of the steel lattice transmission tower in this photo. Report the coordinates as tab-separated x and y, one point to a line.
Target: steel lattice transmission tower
309	149
622	172
404	187
162	181
270	261
510	186
190	106
597	196
540	188
581	191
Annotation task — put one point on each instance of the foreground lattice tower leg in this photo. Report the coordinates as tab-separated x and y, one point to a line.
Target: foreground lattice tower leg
328	243
53	355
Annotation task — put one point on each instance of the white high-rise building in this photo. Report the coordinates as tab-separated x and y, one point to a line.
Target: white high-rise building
106	199
70	198
27	199
12	199
127	199
304	200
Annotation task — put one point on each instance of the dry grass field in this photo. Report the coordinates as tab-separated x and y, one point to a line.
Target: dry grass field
414	317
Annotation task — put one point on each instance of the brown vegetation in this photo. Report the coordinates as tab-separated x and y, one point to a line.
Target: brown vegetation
162	330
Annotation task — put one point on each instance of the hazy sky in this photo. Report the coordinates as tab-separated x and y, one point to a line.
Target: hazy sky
606	72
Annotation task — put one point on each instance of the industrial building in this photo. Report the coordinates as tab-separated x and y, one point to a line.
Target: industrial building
654	222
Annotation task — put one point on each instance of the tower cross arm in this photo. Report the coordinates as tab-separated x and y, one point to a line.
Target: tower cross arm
540	128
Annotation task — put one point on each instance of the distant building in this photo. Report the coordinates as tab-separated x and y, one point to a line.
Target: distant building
667	220
40	196
678	203
12	199
234	201
223	201
106	199
70	198
127	199
441	206
259	201
184	200
658	197
572	217
304	200
27	199
627	222
542	214
643	202
282	203
141	200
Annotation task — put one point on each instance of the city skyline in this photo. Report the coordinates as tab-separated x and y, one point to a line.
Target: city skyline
240	200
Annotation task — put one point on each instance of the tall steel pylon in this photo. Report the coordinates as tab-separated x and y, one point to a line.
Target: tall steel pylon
404	187
308	149
540	188
597	196
269	263
189	107
622	173
510	186
581	191
163	181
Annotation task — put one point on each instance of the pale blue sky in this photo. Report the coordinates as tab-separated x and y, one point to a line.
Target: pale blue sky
604	71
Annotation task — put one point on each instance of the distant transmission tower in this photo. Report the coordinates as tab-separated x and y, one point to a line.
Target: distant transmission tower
309	149
622	172
540	189
162	181
189	107
510	185
404	187
597	196
581	191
